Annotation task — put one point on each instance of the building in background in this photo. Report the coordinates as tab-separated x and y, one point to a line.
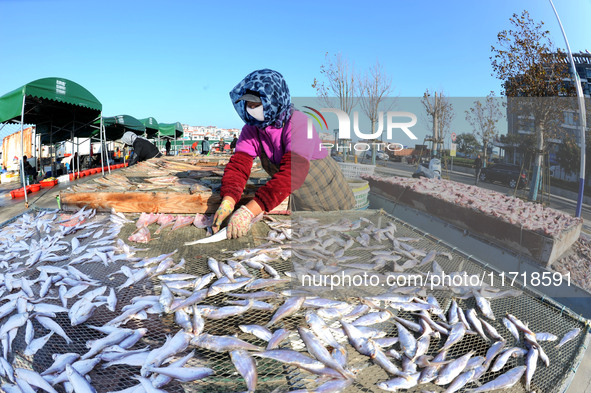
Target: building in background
565	126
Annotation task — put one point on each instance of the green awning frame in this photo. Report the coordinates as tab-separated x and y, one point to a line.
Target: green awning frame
116	126
57	106
171	130
152	127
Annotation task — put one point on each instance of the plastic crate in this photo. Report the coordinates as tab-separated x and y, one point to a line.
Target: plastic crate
354	171
360	190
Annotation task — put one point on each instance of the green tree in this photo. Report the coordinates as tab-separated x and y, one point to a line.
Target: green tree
525	61
467	143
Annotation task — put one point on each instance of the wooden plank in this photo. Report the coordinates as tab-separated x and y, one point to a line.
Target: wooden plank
148	202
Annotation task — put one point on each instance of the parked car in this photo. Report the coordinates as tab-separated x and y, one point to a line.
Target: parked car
380	155
508	174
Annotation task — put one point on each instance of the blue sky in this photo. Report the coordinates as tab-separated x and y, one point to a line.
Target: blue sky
177	60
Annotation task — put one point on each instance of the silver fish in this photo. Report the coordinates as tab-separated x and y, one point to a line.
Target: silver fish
504	357
493	351
460	381
568	336
503	381
261	295
491	330
112	300
372	318
178	343
317	349
246	366
259	331
382	360
15	321
277	338
395	384
60	361
484	305
37	344
455	335
113	338
196	297
50	324
546	337
475	322
147	385
79	383
222	343
362	345
34	379
266	282
290	307
511	328
297	359
228	311
183	319
450	371
531	361
184	374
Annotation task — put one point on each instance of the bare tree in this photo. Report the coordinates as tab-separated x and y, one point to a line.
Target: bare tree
440	113
375	87
524	61
484	119
340	82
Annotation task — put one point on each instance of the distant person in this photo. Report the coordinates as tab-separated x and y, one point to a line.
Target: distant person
167	146
205	146
233	144
194	147
4	170
222	144
477	168
143	149
29	170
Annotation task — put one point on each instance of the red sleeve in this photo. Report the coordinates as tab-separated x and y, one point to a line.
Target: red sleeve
236	175
293	170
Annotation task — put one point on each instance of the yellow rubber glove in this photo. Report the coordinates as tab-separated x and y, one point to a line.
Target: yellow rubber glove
239	223
226	208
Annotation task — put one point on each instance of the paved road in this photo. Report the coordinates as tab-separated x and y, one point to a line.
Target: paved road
556	202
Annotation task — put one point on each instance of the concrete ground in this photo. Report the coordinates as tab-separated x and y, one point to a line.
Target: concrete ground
46	198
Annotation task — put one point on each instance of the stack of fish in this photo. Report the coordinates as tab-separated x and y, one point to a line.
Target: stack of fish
528	215
341	337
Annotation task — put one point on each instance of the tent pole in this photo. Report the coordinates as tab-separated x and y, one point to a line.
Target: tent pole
23	152
102	146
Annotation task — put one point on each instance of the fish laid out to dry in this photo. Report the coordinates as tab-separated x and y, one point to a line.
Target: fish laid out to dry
331	342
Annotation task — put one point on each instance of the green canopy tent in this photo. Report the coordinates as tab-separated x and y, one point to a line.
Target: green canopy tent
58	107
114	127
171	131
152	127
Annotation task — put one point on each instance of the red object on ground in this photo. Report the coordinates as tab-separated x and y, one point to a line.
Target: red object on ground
33	188
48	183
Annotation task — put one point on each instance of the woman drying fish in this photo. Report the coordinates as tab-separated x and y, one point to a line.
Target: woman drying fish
277	134
143	149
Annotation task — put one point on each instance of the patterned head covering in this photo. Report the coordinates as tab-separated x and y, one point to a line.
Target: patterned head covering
274	94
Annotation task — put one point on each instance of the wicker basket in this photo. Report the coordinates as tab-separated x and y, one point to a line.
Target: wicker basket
354	171
360	190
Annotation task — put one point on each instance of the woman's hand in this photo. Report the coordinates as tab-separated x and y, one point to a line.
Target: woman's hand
226	208
241	220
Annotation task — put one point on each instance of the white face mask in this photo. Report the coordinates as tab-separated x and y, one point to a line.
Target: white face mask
257	112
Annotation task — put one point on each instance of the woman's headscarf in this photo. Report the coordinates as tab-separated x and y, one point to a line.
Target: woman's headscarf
274	94
128	138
